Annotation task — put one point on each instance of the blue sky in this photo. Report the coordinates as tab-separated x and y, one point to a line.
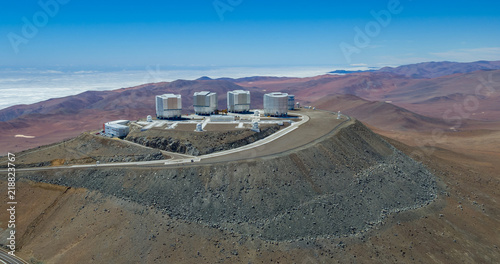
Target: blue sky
188	33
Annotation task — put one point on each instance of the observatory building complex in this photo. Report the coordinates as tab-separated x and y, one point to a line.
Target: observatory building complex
276	104
205	103
238	101
168	106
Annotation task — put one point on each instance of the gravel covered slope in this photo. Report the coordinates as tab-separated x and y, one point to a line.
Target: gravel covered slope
340	186
85	149
193	143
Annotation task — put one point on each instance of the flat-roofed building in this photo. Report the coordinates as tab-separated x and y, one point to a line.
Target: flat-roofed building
238	101
168	106
117	128
205	103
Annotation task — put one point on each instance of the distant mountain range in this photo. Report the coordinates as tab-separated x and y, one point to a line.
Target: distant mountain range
433	97
433	69
348	71
438	69
406	97
245	79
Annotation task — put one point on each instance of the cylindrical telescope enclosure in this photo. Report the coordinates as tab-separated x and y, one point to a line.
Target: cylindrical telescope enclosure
276	104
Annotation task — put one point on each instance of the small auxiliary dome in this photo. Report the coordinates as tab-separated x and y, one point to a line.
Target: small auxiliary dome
255	127
199	127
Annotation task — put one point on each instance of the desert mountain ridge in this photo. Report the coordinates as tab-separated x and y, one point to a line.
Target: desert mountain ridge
435	69
417	103
432	69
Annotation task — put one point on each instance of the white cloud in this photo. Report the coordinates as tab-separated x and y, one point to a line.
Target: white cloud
84	72
51	72
12	80
468	55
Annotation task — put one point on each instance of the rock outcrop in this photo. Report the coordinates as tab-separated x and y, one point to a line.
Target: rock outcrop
192	143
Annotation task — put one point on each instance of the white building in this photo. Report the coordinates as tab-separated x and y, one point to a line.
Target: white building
222	118
168	106
276	104
116	128
205	103
291	102
238	101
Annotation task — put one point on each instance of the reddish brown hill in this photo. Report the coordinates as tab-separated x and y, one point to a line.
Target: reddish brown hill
473	95
369	85
453	95
430	97
379	114
70	105
134	100
53	120
390	117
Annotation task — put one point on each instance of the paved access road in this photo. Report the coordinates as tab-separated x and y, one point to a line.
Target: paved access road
315	125
8	259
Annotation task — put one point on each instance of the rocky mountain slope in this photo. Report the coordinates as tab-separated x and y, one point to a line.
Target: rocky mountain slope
343	185
193	143
85	149
460	226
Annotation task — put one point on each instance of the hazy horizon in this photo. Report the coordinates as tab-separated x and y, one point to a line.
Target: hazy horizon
32	85
28	85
